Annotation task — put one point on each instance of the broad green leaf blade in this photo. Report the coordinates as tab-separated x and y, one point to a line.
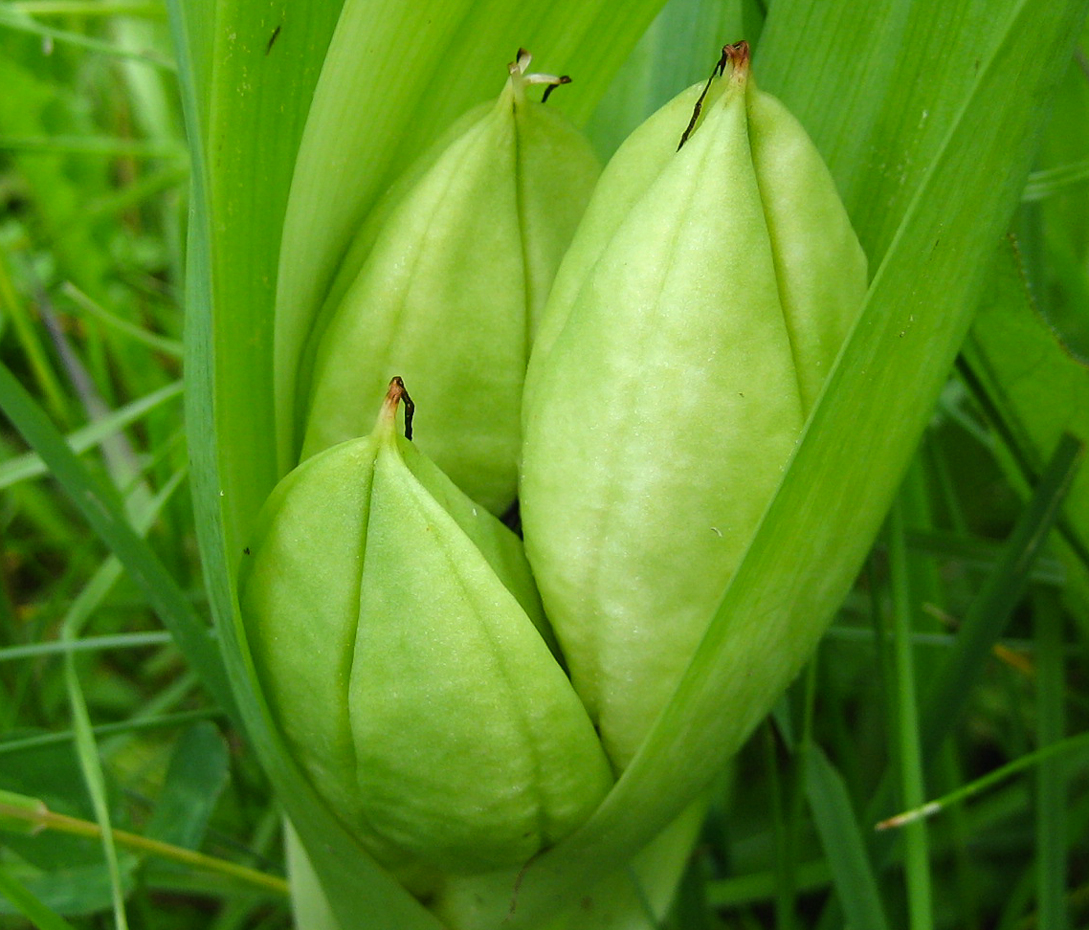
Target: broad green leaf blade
856	447
1033	389
197	774
248	69
844	849
73	878
854	48
29	905
396	75
892	108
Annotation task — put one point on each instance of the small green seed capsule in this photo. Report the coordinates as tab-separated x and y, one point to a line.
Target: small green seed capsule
700	307
389	619
459	262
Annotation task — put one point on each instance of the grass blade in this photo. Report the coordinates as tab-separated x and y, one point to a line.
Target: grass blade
910	762
10	19
166	721
844	849
31	465
1051	791
86	747
1073	745
992	608
104	513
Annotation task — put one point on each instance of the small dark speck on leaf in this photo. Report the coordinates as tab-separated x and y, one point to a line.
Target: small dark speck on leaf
246	551
272	39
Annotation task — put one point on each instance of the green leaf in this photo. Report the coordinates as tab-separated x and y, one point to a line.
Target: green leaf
75	618
852	873
197	774
916	840
69	874
74	891
10	19
880	114
246	98
678	50
27	904
1033	390
51	776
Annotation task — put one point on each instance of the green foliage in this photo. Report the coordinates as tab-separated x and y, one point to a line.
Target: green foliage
929	116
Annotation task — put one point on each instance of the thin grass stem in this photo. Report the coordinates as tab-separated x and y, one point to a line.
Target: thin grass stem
917	853
42	818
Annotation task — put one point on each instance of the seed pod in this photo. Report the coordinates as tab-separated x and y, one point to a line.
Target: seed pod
697	313
389	622
459	262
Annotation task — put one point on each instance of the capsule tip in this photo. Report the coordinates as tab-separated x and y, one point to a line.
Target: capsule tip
396	395
520	77
737	56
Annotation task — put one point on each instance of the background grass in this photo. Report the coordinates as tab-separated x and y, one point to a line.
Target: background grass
960	650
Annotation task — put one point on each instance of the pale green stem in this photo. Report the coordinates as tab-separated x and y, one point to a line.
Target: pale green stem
43	819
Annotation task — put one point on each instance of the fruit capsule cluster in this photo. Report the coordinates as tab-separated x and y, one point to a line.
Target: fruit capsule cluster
462	697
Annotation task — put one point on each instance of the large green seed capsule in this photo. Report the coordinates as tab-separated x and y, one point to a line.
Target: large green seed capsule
389	619
691	326
459	262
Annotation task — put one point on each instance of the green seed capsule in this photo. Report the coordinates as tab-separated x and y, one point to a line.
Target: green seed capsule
691	326
459	262
389	622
